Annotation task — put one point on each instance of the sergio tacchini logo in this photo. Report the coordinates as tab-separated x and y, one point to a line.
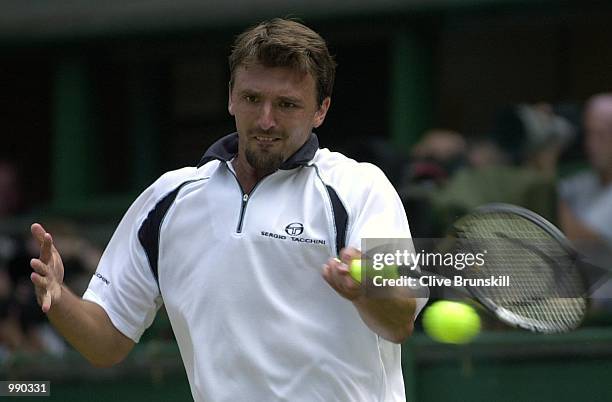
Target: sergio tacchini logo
294	229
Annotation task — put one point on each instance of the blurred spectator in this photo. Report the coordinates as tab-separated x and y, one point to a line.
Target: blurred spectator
585	205
534	136
586	198
531	138
484	153
433	159
436	156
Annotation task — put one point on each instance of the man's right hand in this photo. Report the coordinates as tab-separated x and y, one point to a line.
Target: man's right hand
48	275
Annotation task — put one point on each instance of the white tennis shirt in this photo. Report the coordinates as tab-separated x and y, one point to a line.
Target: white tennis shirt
240	276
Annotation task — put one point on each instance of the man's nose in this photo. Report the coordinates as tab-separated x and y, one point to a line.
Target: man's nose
266	118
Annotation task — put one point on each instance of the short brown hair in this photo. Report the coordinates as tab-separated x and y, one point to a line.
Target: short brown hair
286	43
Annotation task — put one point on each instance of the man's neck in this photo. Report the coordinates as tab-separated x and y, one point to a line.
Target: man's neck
246	175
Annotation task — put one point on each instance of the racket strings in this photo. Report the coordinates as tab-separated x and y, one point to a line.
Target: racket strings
544	290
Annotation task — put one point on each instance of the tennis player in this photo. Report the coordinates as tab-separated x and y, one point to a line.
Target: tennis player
241	250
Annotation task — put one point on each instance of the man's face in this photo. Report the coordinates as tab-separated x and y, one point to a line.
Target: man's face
275	110
598	127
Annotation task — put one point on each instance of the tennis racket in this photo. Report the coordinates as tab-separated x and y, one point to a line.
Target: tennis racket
547	290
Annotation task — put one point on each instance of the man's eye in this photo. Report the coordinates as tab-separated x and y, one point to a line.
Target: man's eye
250	98
288	105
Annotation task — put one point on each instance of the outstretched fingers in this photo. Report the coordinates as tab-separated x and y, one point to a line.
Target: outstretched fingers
38	232
46	249
39	267
43	275
46	302
43	294
45	240
38	280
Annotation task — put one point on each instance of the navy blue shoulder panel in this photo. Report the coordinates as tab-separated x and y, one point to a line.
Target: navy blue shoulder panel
148	234
340	218
339	212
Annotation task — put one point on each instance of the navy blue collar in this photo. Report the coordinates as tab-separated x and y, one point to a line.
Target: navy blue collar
226	148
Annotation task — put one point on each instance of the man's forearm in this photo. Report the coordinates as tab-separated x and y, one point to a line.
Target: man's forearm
391	317
87	327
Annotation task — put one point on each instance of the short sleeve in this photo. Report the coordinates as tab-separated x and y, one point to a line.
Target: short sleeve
378	212
123	284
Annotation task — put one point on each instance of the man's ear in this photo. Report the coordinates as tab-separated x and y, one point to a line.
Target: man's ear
230	104
320	114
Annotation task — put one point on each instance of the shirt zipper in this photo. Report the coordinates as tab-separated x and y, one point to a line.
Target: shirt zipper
245	199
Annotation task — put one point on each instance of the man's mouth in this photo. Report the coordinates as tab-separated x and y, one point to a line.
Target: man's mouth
266	139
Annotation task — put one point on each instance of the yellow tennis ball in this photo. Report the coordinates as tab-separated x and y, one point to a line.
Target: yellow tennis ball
355	270
451	322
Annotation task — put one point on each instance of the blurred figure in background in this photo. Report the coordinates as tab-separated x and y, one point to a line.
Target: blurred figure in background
534	136
433	160
585	199
518	166
437	156
485	153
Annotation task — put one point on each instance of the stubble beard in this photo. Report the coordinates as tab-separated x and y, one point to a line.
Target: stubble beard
263	161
